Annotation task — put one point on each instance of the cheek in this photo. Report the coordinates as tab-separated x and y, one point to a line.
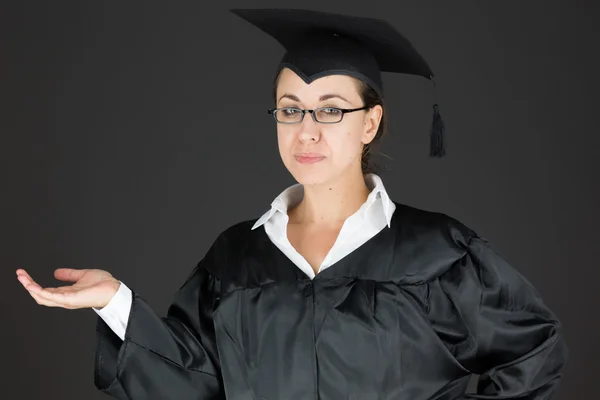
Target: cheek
346	144
284	142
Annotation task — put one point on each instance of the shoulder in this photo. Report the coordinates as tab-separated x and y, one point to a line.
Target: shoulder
229	244
427	243
427	224
238	232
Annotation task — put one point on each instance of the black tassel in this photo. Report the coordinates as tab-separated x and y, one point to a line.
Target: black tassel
437	145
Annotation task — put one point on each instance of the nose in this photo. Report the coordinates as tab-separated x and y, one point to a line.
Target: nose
309	129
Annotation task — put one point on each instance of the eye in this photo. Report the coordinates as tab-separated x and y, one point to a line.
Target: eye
331	110
289	111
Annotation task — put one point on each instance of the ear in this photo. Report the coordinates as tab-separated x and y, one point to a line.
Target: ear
372	121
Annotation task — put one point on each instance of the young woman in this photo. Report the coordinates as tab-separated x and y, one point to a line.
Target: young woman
337	292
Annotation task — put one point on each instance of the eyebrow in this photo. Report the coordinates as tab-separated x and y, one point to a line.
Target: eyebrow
322	98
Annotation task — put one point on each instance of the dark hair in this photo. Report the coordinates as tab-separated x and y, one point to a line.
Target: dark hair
370	99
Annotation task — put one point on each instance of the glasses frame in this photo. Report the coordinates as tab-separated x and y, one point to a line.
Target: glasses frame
344	111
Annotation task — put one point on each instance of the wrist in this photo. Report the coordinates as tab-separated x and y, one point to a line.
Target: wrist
113	285
116	285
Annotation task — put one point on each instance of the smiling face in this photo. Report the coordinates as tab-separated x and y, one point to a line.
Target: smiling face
317	153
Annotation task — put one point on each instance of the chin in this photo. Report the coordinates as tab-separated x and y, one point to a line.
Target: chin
309	175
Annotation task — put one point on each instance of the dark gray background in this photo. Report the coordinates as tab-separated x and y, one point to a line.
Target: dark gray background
133	133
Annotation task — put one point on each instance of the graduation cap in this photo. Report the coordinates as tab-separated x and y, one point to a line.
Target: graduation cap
319	44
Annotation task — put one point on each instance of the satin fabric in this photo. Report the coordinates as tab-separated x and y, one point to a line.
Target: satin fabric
409	315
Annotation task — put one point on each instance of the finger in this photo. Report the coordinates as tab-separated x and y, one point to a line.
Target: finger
52	294
29	278
57	297
44	302
43	296
29	283
63	296
69	274
22	272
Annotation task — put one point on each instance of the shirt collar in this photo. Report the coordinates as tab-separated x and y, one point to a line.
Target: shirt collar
291	196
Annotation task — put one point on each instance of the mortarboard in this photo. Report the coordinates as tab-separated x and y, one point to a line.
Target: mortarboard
319	44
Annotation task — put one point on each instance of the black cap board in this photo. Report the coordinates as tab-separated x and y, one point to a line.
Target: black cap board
319	44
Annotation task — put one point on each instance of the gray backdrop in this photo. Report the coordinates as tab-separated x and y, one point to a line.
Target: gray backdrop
133	133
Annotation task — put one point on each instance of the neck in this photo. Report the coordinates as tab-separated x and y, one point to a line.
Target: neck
331	203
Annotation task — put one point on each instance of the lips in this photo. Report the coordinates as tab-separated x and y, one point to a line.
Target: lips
308	158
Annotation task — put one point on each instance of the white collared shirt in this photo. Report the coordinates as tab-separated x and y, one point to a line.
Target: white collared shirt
374	215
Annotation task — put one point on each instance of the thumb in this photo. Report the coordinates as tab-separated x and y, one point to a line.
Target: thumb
69	274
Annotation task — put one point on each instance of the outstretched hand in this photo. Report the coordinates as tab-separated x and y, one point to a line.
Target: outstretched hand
91	288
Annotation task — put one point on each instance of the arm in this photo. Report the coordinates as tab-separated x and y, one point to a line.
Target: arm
513	341
172	357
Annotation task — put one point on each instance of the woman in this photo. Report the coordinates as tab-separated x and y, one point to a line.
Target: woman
337	292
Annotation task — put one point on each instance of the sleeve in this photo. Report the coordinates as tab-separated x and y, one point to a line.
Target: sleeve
172	357
497	326
116	312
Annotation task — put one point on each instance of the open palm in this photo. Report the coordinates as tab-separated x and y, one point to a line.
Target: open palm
91	288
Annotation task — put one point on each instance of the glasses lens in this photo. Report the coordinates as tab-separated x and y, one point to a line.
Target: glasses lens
328	115
288	115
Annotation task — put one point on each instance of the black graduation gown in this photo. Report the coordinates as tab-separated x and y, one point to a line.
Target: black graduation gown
408	315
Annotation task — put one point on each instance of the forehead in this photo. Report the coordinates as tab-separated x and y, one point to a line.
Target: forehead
291	83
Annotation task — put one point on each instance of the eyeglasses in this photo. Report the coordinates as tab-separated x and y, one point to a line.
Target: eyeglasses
323	115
